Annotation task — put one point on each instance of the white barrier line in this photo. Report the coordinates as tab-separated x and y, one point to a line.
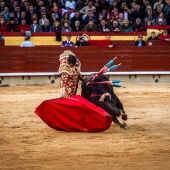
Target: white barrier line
88	73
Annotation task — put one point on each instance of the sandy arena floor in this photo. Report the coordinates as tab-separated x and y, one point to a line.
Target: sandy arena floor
28	143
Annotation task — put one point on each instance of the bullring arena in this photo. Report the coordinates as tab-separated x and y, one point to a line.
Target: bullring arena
29	76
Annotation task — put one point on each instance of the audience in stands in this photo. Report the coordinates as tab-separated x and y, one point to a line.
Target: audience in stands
140	41
68	42
27	43
83	15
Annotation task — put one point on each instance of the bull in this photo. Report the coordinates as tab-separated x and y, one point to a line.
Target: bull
97	89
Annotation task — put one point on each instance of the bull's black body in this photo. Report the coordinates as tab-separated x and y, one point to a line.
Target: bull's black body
93	92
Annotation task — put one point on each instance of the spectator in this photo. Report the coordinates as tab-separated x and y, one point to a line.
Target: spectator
89	16
23	26
46	27
77	17
115	26
3	27
34	27
81	41
12	27
161	18
126	26
160	22
149	17
157	11
76	27
153	36
17	12
104	13
110	8
104	4
164	36
24	6
34	17
53	19
148	23
103	27
27	43
30	11
37	7
68	42
121	19
23	16
138	26
100	19
137	13
13	16
43	19
140	42
90	27
57	30
85	9
65	18
70	6
66	27
57	13
126	12
167	7
115	12
43	11
2	6
6	13
158	3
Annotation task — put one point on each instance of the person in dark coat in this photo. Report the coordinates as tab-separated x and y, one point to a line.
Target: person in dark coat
12	27
153	36
140	42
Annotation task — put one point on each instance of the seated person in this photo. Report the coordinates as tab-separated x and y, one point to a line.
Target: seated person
90	27
153	36
23	26
12	26
138	26
164	36
81	41
140	42
66	27
68	42
103	27
27	43
115	26
126	26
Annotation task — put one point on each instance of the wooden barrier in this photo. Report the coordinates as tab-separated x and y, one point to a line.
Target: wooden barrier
157	43
1	42
46	58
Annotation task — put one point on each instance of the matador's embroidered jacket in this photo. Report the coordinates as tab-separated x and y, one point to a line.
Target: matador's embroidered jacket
69	75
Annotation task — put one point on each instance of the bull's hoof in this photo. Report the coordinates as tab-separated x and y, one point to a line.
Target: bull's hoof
122	126
124	117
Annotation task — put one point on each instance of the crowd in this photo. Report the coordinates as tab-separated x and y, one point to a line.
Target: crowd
82	15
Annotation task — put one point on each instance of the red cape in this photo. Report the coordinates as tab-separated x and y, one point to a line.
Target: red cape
74	114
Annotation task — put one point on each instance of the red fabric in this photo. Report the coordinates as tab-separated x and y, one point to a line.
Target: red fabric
24	27
74	114
101	43
161	37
